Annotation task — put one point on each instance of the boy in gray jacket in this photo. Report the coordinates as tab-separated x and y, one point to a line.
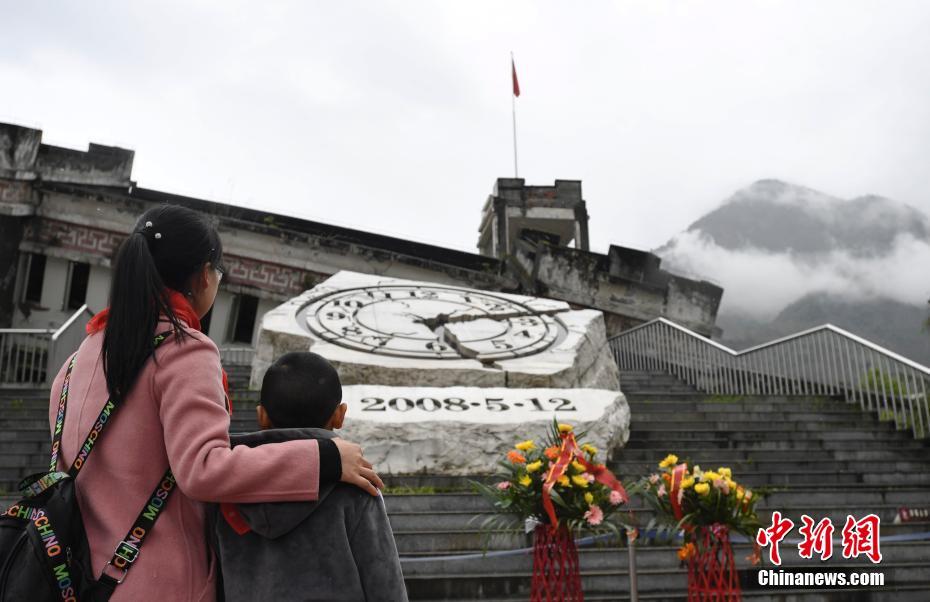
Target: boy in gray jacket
339	547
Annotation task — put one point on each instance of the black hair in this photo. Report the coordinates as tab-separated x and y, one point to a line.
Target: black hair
301	390
167	246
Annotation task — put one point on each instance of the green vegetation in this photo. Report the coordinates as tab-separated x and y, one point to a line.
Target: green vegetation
905	423
876	380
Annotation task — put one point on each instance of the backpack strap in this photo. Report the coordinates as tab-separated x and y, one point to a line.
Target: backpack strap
57	557
128	550
106	414
60	419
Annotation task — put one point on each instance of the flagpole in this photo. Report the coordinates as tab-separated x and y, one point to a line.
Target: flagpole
513	101
513	104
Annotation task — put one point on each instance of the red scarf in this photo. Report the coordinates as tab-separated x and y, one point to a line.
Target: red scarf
184	312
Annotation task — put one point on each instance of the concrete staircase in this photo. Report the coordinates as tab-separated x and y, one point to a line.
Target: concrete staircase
824	457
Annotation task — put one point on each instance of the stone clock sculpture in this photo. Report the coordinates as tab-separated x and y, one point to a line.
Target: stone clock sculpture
428	368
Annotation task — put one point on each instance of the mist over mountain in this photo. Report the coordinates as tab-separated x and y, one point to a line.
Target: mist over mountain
774	216
790	258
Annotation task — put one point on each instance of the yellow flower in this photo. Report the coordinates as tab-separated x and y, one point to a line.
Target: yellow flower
590	449
563	481
526	445
739	492
726	472
670	460
702	488
580	481
579	468
525	480
731	485
565	428
534	466
709	476
589	498
687	482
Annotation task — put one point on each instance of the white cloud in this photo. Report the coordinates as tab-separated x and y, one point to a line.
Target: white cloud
761	284
395	116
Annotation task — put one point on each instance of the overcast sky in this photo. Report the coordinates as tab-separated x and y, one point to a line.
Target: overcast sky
396	116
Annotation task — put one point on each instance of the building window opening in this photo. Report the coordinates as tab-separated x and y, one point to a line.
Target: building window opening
244	326
77	285
35	277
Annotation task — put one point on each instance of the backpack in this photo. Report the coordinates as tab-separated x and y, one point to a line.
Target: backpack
44	554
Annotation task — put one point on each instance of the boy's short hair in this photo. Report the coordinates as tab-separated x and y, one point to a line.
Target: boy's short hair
301	390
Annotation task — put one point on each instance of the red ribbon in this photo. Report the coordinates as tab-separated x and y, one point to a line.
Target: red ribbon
569	451
678	475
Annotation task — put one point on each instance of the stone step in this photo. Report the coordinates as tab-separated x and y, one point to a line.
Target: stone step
27	447
834	419
639	406
447	484
660	395
865	435
747	424
647	378
648	557
769	444
460	585
911	592
627	467
13	397
646	389
785	498
442	520
444	541
710	458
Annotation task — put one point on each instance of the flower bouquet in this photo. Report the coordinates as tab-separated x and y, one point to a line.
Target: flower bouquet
555	488
706	505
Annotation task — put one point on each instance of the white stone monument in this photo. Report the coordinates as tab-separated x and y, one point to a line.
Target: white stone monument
443	379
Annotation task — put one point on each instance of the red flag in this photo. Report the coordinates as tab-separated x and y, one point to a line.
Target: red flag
516	84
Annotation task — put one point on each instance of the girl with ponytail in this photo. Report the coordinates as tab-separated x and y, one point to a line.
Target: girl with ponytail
173	414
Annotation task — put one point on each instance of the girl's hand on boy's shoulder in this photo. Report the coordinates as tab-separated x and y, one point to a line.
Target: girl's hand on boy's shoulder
356	470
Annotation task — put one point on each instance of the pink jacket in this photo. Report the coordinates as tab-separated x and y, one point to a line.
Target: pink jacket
174	415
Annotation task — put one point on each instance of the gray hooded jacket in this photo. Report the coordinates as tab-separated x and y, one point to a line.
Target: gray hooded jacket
339	547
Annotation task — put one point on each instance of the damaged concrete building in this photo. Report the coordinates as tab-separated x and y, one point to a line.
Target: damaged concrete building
64	213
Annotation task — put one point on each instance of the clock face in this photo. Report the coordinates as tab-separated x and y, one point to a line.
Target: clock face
430	322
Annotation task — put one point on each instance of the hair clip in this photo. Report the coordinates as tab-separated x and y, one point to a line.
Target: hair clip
157	235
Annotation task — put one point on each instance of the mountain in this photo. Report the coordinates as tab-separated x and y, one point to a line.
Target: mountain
790	258
894	325
774	216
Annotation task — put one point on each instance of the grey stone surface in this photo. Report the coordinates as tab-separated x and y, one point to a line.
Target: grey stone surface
409	430
579	357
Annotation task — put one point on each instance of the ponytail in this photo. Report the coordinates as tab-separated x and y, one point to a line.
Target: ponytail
167	246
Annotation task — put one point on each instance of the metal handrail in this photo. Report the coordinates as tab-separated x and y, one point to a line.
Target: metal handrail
234	355
31	357
64	327
824	360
